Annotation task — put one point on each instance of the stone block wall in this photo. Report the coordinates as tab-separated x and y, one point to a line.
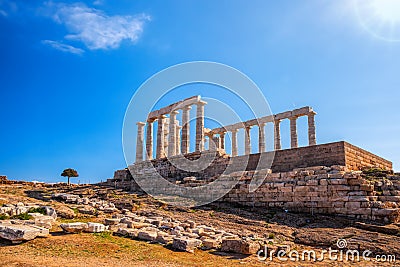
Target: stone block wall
322	190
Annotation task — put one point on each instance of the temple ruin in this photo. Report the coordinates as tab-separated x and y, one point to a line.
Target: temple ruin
317	178
173	139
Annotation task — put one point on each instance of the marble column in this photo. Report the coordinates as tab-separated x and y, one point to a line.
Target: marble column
149	140
214	143
277	135
160	152
222	140
312	140
234	143
178	138
293	132
185	146
261	137
172	134
200	126
139	141
247	141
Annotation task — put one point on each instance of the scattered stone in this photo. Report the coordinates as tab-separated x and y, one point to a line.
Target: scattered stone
65	212
211	243
95	227
111	221
185	243
240	246
18	233
75	227
148	234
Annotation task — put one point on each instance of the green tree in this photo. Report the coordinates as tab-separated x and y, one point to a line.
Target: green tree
69	173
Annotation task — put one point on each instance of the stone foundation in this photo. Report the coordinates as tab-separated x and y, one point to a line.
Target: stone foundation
296	182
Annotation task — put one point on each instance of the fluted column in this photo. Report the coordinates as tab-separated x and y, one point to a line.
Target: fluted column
293	132
234	143
200	125
149	140
214	143
261	137
172	134
185	146
247	141
312	140
222	140
160	152
277	135
178	138
139	141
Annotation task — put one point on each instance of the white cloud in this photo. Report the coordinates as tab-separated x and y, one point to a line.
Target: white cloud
98	2
96	29
64	47
3	13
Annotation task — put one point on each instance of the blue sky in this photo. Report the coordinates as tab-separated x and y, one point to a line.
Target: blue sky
69	69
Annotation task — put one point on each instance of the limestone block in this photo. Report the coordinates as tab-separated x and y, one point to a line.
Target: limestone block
148	234
18	233
164	238
75	227
185	243
239	246
111	221
209	243
95	227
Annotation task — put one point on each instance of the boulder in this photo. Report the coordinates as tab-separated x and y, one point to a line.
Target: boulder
18	233
111	221
44	221
164	238
185	243
50	211
148	234
240	246
95	227
127	232
75	227
65	212
209	243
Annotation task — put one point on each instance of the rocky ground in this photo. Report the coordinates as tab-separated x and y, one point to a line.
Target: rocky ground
97	226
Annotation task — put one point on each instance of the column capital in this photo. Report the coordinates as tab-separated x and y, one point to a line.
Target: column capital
187	108
161	117
235	130
201	103
139	123
174	112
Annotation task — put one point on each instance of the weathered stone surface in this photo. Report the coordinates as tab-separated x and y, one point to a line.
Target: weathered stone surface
44	221
240	246
95	227
209	243
111	221
186	244
18	233
75	227
148	234
65	212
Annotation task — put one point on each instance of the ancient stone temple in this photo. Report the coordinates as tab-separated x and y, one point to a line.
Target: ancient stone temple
317	178
173	138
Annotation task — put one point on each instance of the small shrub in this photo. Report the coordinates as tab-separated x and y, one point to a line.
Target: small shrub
271	236
40	210
4	216
22	216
